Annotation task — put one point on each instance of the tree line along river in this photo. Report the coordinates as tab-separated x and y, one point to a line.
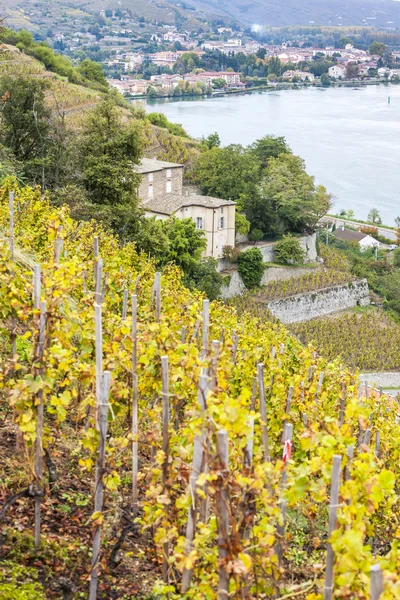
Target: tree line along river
349	137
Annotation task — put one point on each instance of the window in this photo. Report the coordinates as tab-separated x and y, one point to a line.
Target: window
169	187
150	177
222	210
150	191
221	223
169	173
199	223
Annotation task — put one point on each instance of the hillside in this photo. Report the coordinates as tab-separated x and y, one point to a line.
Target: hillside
192	14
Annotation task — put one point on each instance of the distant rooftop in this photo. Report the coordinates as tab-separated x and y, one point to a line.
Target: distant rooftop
149	165
348	235
168	204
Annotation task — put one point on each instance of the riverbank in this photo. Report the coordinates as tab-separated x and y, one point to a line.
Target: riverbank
263	88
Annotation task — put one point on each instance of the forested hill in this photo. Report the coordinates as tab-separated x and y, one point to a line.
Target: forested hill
278	13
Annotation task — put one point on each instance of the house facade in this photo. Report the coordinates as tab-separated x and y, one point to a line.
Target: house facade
337	71
162	195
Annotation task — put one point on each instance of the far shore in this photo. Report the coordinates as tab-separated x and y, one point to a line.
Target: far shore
264	88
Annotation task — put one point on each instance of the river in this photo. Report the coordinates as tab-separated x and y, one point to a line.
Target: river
349	138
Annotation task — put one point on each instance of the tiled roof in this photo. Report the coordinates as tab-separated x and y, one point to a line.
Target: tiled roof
150	165
168	204
348	235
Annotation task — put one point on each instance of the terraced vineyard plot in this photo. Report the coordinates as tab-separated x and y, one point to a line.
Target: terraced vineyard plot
316	280
368	341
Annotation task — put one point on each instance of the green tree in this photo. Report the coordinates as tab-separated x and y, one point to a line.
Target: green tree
229	172
107	153
288	250
212	141
242	225
186	243
218	83
274	66
325	80
205	278
397	222
92	71
396	257
374	217
377	48
267	147
251	267
351	70
288	199
152	239
24	125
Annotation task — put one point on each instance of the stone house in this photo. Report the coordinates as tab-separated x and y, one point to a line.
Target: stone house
162	194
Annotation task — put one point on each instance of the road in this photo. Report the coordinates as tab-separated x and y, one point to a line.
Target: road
389	233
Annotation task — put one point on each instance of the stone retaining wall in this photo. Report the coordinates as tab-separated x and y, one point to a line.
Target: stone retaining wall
311	305
381	380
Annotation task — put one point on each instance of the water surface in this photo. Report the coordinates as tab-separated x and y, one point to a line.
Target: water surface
349	138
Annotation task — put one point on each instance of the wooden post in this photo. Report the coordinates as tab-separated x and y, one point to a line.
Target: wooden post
95	256
333	506
366	390
13	317
39	427
235	338
197	466
350	454
287	440
248	450
263	411
36	286
287	410
57	251
125	305
157	290
165	447
135	425
376	582
215	350
253	394
377	444
99	276
183	335
223	513
11	205
98	351
206	326
102	417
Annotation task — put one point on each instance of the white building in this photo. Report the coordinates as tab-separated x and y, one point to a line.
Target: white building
162	196
364	240
337	71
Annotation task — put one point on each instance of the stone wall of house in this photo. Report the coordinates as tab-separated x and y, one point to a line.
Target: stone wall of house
159	183
381	380
305	307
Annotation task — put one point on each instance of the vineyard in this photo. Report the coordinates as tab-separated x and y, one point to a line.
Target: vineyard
368	341
153	443
315	280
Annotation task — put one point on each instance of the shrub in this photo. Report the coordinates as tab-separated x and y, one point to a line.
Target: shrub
251	267
288	250
256	235
230	253
396	257
242	225
369	230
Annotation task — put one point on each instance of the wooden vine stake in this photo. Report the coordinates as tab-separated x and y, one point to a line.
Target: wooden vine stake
96	252
376	582
102	419
39	424
135	424
165	447
222	497
333	506
157	291
98	330
287	440
125	305
197	467
13	319
206	326
263	411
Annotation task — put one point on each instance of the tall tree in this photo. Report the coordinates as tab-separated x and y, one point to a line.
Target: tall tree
268	147
107	153
25	123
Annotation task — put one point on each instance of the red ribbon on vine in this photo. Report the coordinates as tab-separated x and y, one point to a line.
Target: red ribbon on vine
287	452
